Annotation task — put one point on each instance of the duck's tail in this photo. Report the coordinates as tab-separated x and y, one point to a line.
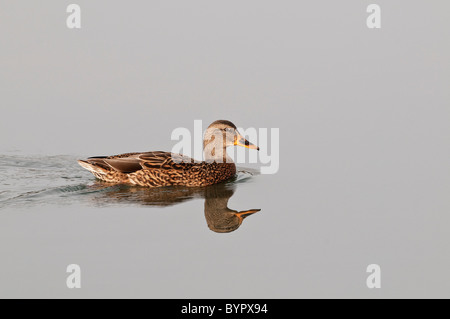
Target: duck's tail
93	167
103	171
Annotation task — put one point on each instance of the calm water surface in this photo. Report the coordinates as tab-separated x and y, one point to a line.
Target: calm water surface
254	236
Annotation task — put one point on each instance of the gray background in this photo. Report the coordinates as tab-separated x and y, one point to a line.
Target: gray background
363	117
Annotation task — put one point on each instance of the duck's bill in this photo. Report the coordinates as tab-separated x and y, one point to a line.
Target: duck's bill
240	141
246	213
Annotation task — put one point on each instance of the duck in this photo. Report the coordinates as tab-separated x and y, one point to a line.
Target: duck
159	168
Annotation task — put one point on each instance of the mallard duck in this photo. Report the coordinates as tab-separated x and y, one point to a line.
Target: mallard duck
155	169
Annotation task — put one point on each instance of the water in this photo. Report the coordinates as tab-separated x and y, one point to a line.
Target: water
35	181
255	236
29	181
364	143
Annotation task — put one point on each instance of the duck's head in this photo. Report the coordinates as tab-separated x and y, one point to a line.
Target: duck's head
218	136
223	133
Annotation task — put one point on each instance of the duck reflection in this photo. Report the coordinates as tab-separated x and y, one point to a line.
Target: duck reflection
219	217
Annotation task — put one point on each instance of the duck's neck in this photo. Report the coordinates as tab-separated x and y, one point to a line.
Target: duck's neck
213	152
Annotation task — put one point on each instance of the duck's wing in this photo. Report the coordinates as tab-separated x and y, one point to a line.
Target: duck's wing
165	160
123	165
132	162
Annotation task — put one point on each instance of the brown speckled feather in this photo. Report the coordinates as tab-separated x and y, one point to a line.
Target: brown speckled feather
154	169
